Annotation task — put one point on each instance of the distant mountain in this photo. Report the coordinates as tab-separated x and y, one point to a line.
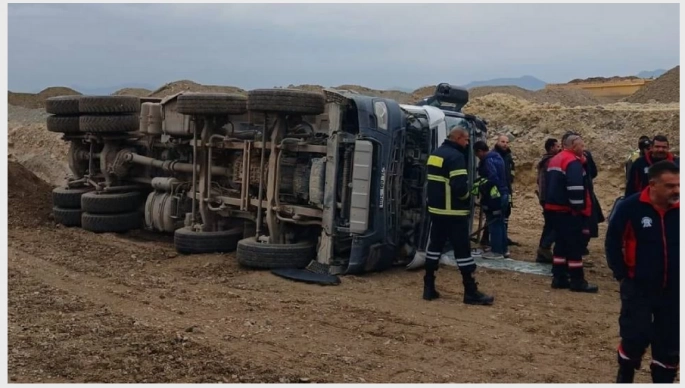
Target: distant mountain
651	74
105	91
525	82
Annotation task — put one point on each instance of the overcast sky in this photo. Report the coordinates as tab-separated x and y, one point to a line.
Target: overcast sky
378	46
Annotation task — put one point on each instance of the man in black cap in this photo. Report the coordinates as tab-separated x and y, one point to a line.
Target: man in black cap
638	178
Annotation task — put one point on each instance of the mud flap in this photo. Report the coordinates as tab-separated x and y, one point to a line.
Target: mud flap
306	276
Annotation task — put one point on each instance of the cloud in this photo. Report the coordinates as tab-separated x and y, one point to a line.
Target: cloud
377	45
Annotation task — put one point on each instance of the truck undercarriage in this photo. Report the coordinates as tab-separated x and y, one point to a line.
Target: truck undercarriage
284	177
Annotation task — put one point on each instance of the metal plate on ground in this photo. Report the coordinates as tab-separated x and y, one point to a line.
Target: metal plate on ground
303	275
505	264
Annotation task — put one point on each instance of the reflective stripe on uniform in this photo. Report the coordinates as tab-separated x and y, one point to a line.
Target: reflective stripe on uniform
435	161
454	173
463	197
443	212
437	178
575	188
494	193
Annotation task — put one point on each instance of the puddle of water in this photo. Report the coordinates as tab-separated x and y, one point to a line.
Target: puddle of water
505	264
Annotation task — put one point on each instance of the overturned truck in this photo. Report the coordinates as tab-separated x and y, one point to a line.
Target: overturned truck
286	178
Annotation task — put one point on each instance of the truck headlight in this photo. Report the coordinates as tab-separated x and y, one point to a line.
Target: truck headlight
381	112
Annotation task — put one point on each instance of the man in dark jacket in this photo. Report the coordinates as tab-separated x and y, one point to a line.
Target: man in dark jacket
643	251
494	198
637	177
544	254
643	145
449	207
502	147
567	199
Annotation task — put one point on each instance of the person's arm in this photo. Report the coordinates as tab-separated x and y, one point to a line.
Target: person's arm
491	171
575	188
614	241
459	179
592	167
632	181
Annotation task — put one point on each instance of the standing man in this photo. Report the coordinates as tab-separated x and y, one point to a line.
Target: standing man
502	147
643	145
494	199
568	202
544	254
643	251
637	177
449	206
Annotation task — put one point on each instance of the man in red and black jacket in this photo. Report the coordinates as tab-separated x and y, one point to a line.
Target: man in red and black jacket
642	249
637	176
568	203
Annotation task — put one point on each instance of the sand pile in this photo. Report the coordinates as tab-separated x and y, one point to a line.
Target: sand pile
664	89
611	131
593	80
190	86
136	92
34	101
29	198
33	146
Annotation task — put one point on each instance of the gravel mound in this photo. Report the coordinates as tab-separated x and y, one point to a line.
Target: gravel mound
136	92
34	101
664	89
190	86
29	198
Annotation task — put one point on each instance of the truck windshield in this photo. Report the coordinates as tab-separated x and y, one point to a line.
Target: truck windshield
451	121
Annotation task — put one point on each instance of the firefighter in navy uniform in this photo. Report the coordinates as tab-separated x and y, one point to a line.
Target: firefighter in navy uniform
449	208
568	203
642	249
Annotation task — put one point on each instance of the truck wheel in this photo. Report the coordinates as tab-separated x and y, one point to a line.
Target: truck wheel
109	104
285	101
110	203
104	223
211	104
67	217
63	124
254	254
62	105
68	198
108	124
189	241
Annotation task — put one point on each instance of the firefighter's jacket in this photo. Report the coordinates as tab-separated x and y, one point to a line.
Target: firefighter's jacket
447	181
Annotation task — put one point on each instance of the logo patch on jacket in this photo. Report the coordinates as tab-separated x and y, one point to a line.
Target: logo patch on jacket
647	170
646	222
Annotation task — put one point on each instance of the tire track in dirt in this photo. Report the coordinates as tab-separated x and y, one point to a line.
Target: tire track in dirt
371	328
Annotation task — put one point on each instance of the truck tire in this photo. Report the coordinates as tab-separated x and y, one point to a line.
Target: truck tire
67	217
63	124
285	101
211	104
105	223
188	241
110	203
109	104
109	124
63	105
253	254
68	198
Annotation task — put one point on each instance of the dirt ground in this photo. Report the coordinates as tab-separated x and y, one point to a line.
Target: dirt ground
128	308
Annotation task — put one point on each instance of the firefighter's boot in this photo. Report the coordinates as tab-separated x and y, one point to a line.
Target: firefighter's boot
429	291
472	295
626	374
578	282
661	375
561	282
